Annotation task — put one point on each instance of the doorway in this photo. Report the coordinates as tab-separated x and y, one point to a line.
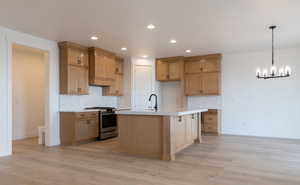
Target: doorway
29	86
143	86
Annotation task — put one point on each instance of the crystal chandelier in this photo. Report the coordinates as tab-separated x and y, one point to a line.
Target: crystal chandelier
281	73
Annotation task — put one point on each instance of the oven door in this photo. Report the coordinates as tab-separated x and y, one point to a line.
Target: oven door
108	122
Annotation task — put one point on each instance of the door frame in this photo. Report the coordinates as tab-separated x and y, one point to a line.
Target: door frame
142	62
7	39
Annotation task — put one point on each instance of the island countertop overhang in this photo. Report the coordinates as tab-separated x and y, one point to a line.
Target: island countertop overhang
178	112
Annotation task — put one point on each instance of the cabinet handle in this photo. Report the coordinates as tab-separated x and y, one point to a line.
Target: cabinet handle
180	118
201	69
78	60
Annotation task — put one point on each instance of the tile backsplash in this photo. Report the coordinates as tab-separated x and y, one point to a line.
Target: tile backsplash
95	98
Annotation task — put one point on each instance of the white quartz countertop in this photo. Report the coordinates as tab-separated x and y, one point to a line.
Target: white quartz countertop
177	112
80	110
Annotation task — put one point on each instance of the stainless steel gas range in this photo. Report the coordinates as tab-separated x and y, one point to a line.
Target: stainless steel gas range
108	127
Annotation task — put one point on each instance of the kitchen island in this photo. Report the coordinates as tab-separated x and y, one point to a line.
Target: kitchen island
158	134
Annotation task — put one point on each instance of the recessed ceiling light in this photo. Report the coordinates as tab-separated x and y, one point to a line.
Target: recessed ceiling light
145	56
124	49
188	51
151	27
94	38
173	41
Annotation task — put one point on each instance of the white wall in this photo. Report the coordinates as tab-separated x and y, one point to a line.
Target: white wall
170	95
29	82
95	98
261	107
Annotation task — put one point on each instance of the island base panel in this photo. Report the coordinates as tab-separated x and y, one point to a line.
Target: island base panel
158	136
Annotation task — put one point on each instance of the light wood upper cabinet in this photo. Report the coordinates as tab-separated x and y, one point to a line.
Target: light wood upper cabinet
73	69
174	70
162	70
119	65
77	56
116	89
78	80
211	64
193	84
102	67
202	75
210	83
191	67
169	69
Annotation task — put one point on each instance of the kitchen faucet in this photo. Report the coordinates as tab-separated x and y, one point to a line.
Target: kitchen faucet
155	106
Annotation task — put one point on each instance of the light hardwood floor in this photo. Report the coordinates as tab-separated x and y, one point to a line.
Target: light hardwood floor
220	160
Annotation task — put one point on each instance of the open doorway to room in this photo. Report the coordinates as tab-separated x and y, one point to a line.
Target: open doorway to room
29	87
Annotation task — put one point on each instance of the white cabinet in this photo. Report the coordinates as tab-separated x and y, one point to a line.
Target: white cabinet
186	130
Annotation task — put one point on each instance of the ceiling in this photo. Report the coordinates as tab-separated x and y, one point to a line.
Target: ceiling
204	26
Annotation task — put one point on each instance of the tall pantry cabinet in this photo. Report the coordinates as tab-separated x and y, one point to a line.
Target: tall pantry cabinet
74	67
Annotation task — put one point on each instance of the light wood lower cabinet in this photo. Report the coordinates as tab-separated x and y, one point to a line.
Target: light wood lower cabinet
158	136
78	127
211	121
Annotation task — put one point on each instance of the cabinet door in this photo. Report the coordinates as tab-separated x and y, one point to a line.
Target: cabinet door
194	126
211	65
77	80
77	56
73	72
81	130
192	66
180	138
119	66
188	129
93	128
119	85
110	68
174	71
162	71
82	80
193	85
210	83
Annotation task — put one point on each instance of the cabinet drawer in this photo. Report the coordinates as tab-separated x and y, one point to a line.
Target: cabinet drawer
87	115
210	119
210	128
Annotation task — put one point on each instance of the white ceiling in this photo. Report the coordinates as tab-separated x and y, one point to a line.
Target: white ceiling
204	26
